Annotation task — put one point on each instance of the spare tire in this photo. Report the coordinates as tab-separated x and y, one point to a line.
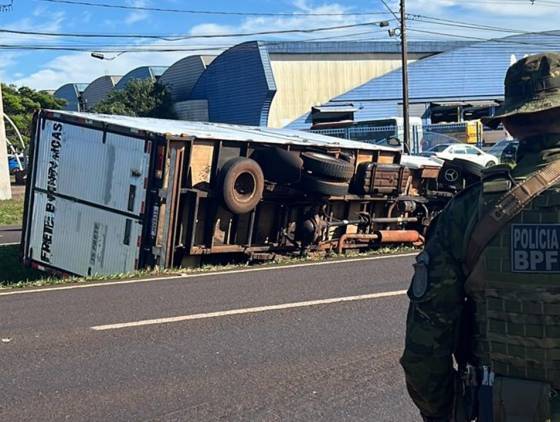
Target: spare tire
242	185
279	165
313	184
324	165
469	168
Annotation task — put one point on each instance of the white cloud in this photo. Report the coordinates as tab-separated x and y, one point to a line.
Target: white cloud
493	7
36	22
137	15
82	67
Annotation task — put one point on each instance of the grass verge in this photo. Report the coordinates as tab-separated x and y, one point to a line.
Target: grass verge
14	275
11	212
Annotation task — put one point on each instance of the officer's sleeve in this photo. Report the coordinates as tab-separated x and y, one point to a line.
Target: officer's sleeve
436	302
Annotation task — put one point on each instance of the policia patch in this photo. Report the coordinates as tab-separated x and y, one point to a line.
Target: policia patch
535	248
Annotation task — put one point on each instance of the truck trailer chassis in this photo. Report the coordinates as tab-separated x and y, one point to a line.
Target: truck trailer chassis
114	194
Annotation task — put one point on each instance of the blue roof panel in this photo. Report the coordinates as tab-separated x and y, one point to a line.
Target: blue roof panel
469	73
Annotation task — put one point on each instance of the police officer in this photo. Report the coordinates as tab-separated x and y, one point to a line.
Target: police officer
483	327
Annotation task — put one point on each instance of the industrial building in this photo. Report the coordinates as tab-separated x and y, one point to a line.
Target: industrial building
72	94
461	84
142	72
98	90
273	83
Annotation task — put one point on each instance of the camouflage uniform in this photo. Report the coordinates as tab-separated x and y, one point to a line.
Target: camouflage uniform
436	334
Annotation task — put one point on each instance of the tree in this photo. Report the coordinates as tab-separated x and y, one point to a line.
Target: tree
20	104
140	98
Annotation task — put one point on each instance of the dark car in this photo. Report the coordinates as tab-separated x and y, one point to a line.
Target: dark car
505	150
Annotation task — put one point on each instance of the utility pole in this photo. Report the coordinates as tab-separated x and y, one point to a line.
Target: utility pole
404	53
5	188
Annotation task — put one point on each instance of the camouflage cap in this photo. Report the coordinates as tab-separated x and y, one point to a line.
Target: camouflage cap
532	85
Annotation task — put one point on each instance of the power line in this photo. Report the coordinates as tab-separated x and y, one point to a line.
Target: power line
390	10
205	12
189	37
461	24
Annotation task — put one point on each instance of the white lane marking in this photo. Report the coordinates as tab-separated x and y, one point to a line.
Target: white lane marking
259	309
9	244
209	274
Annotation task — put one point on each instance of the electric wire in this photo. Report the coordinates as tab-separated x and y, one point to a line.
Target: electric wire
390	10
189	37
206	12
460	24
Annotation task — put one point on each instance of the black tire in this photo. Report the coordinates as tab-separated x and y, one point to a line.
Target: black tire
313	184
327	166
20	177
279	165
241	184
490	164
468	168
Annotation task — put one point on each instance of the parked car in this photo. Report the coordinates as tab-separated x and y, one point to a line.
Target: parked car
464	152
16	165
505	150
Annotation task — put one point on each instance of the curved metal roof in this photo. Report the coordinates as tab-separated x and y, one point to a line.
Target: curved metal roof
72	93
239	85
142	72
182	75
98	90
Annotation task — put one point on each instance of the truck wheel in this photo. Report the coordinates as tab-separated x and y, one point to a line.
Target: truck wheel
242	185
20	177
327	166
324	187
279	165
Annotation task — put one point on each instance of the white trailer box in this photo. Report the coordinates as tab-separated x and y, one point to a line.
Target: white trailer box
86	197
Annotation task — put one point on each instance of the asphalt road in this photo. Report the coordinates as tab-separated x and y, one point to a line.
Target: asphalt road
10	235
307	360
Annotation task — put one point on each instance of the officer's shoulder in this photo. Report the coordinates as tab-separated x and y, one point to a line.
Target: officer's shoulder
465	197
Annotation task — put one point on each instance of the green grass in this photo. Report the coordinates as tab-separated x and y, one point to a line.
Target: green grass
14	275
11	212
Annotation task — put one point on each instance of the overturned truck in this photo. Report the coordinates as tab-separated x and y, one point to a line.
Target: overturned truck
112	194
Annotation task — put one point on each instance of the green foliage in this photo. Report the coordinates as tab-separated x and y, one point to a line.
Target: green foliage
140	98
11	212
19	105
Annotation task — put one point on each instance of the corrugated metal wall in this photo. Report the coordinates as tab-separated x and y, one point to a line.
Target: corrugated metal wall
192	110
304	82
239	86
98	90
181	76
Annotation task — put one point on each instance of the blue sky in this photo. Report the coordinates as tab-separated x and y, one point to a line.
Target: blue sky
49	70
